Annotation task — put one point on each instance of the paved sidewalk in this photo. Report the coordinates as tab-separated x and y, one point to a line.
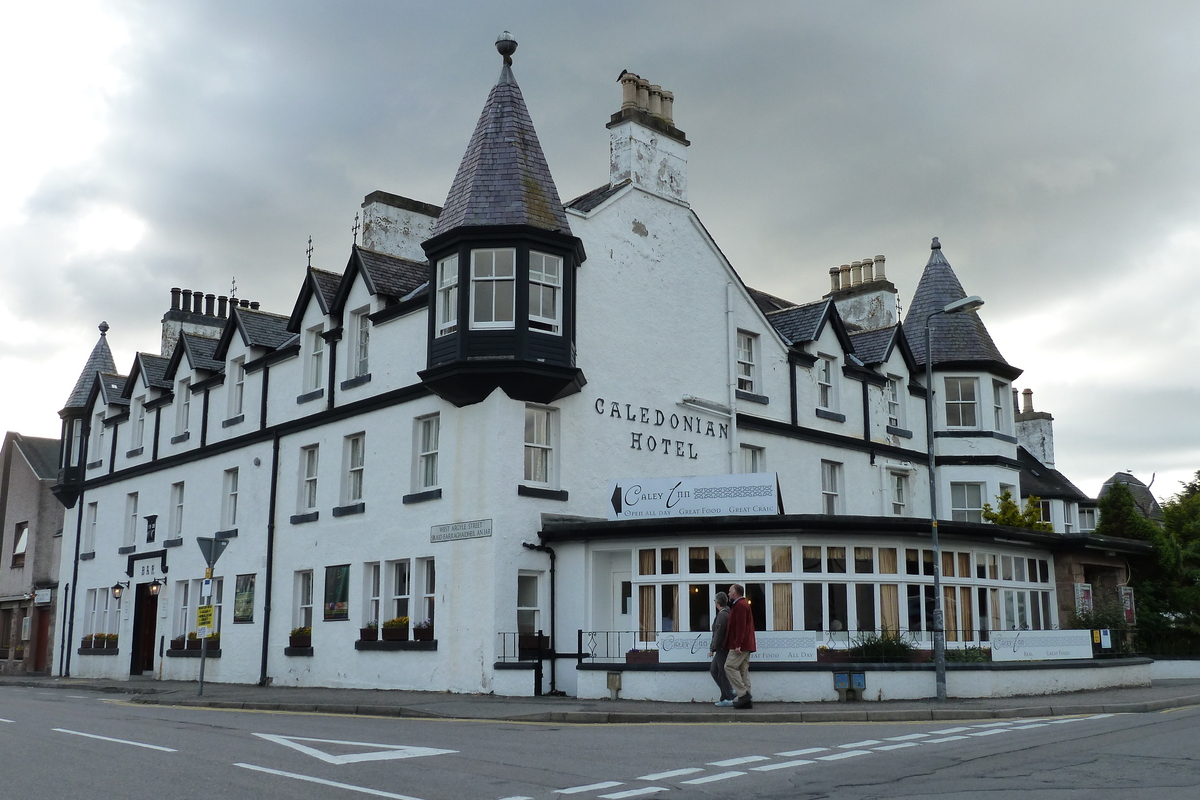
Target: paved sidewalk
397	703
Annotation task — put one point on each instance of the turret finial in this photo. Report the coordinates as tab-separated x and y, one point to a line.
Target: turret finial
103	326
936	244
506	45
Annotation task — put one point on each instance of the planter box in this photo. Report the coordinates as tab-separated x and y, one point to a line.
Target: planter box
641	657
193	644
368	634
300	641
423	634
394	634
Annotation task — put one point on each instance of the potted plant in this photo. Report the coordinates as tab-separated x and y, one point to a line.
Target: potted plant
636	656
20	652
395	629
87	641
300	637
193	641
423	631
214	641
369	632
111	640
179	643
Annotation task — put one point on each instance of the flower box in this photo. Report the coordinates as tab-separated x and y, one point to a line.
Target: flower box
394	634
368	634
423	634
641	657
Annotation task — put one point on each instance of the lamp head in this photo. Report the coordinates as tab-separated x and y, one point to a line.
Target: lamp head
119	588
972	303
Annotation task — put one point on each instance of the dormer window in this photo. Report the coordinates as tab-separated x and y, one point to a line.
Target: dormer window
315	368
360	345
493	283
447	296
139	422
237	387
545	284
826	390
183	405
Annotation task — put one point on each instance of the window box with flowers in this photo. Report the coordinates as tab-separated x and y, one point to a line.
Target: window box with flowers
395	629
300	637
369	632
423	631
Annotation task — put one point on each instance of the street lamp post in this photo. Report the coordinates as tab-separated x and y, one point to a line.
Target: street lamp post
939	620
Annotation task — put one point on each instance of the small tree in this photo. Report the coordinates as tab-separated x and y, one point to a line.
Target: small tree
1009	513
1120	516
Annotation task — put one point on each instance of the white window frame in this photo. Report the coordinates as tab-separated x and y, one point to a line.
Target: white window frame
138	434
229	508
373	589
177	499
428	577
831	485
447	296
98	438
89	527
999	418
237	387
360	345
894	394
499	284
399	588
131	518
541	434
183	406
898	489
962	408
310	462
964	506
1088	517
426	441
303	606
753	458
541	284
355	458
20	544
747	362
529	608
183	622
827	382
315	363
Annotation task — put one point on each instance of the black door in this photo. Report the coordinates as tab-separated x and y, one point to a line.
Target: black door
145	618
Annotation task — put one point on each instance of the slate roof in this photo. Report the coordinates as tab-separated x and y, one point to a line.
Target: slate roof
1038	480
596	197
200	351
154	370
800	323
110	384
262	329
956	337
391	275
503	178
100	360
874	347
326	283
768	302
41	453
1140	491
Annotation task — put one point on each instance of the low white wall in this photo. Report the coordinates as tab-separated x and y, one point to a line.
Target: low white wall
817	686
1174	668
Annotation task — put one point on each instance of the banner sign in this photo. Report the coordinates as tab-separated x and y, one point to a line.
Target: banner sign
697	496
1040	645
772	646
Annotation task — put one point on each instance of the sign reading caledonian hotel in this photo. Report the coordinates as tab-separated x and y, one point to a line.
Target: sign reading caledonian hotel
696	496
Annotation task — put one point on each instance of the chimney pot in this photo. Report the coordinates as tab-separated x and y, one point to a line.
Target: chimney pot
656	100
197	302
844	272
835	280
222	306
868	270
628	90
244	303
175	299
855	273
643	94
209	299
879	276
668	107
254	305
187	300
1027	401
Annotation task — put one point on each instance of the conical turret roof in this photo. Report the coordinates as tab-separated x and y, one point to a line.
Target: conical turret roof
503	178
100	360
956	338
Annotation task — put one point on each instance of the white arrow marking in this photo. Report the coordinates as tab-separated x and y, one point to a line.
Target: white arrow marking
387	753
118	741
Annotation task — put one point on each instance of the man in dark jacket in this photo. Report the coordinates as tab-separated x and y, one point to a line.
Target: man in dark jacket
739	638
718	651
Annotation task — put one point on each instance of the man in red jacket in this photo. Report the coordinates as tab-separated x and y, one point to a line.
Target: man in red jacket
739	638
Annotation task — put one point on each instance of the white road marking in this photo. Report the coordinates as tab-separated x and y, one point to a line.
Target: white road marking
907	737
856	745
733	762
517	797
388	752
1101	716
720	776
990	732
804	752
992	725
943	739
77	697
323	782
896	746
782	765
590	787
847	754
675	773
118	741
1068	719
1030	725
944	731
5	720
635	792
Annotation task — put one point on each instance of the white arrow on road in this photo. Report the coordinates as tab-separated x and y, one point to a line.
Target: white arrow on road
381	752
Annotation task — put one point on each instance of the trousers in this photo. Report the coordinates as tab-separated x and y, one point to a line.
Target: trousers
717	670
737	669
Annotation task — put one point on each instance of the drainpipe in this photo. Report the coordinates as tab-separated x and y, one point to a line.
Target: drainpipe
731	361
270	568
541	548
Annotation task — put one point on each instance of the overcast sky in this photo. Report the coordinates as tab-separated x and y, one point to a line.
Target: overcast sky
1053	147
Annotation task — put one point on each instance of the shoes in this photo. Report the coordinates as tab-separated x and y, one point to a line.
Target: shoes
744	701
723	703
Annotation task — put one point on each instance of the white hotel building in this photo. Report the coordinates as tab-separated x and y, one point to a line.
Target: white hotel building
436	433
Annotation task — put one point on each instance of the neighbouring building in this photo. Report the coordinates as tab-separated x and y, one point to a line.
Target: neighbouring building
487	430
31	526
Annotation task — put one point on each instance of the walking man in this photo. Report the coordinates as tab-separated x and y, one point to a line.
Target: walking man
739	638
718	651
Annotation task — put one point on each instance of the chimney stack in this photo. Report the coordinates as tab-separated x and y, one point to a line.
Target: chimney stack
864	296
1035	430
645	147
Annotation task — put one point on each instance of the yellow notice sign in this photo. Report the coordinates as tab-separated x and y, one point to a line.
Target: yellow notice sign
204	617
